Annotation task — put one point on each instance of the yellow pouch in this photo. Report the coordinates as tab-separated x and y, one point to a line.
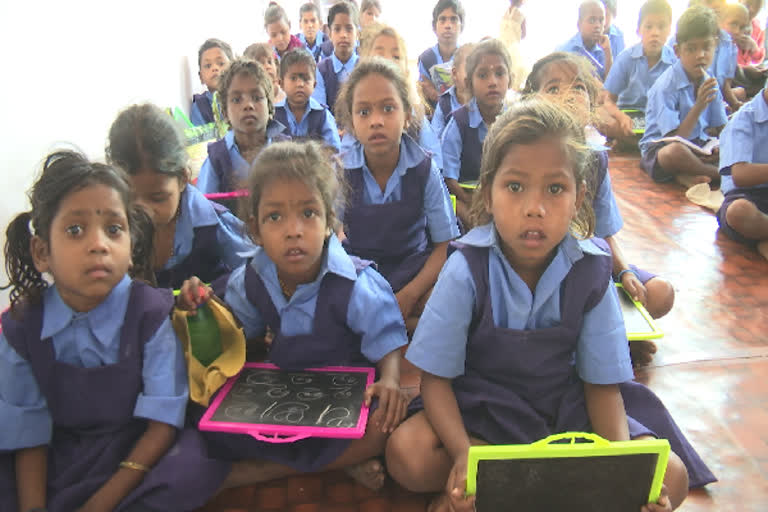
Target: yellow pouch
205	380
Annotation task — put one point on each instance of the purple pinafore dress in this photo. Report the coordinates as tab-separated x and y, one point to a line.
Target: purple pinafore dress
332	342
393	234
93	424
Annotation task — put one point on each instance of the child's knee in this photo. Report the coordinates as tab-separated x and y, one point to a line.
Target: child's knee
676	480
740	213
404	454
661	297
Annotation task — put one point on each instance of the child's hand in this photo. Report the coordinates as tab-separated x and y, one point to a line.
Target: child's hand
605	43
406	301
707	92
392	402
634	287
662	504
193	293
456	487
625	124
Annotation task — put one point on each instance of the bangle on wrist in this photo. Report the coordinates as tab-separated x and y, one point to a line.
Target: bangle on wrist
626	271
128	464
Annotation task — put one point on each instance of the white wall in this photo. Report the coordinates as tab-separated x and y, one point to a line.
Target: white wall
69	67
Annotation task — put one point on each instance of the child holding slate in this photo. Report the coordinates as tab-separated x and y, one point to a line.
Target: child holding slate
93	385
324	307
522	336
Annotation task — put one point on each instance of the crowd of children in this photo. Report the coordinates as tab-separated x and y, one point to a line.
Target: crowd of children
349	209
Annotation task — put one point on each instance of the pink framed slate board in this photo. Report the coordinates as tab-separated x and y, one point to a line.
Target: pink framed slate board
281	406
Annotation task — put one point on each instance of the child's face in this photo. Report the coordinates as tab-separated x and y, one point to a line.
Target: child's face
247	108
309	25
592	23
291	225
715	5
212	64
448	27
735	22
753	6
279	35
369	16
696	56
533	199
654	32
298	83
89	250
378	115
343	36
561	82
490	81
459	74
387	47
159	195
270	67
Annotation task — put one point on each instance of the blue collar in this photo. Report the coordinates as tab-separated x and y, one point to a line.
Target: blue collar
196	210
667	53
681	80
436	50
335	260
105	320
411	155
338	65
274	127
761	108
312	104
475	117
319	39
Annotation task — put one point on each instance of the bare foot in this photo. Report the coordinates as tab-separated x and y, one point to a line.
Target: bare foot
369	473
440	503
762	248
641	352
688	180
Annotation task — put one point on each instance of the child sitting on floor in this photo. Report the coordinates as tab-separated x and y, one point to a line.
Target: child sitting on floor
212	58
447	23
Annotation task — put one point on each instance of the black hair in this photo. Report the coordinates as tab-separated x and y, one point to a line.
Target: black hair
146	137
214	43
610	6
297	56
661	7
442	5
583	5
344	7
63	173
142	246
275	13
310	7
248	67
696	22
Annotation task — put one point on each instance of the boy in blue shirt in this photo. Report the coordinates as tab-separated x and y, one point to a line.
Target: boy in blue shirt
299	112
591	42
635	70
311	35
213	57
685	101
447	24
332	72
743	215
615	35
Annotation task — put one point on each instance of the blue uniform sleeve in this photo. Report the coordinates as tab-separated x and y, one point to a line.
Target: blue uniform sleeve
439	345
717	115
195	116
452	145
207	180
608	220
164	374
429	141
24	412
602	352
438	208
319	92
375	314
331	131
618	76
438	121
233	240
737	142
663	110
248	316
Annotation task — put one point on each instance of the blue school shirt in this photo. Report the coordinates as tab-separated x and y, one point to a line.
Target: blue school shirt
725	60
440	341
428	140
441	221
342	70
616	38
630	79
423	71
197	211
595	55
89	340
373	311
452	143
438	122
743	140
669	101
208	181
320	38
195	116
329	131
608	220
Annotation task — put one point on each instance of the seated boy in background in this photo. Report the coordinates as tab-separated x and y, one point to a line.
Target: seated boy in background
748	80
615	35
213	57
447	24
685	101
743	215
591	41
299	112
311	35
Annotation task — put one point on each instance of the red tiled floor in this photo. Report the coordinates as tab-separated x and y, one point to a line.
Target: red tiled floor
711	369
